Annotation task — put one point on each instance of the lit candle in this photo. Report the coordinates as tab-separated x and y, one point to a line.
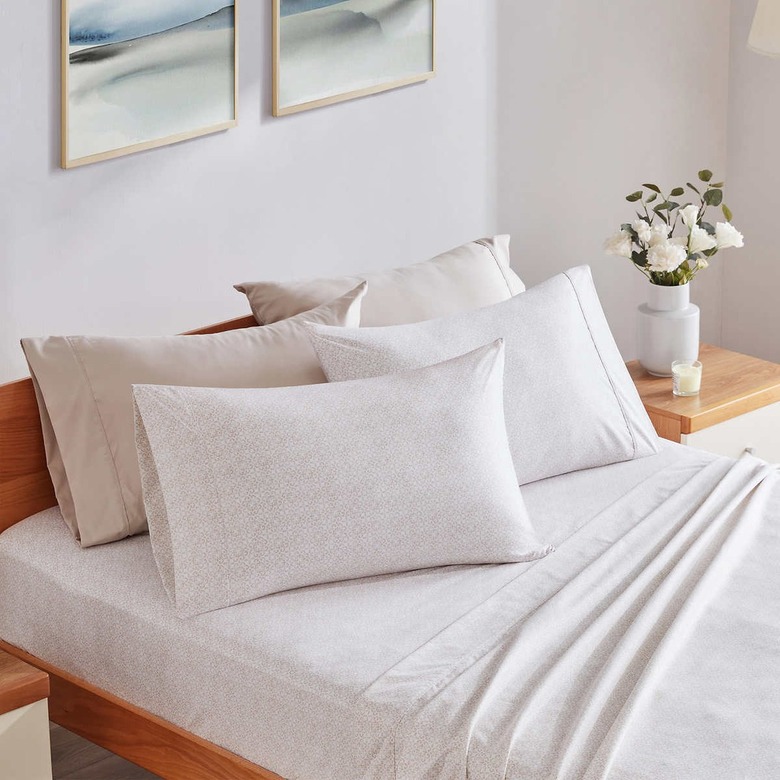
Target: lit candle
686	377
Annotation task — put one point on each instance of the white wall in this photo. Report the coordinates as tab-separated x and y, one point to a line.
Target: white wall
596	98
152	243
751	285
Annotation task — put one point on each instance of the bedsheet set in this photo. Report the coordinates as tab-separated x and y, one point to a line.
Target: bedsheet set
646	646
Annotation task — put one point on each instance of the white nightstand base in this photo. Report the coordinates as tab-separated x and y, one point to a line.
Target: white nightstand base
758	431
25	751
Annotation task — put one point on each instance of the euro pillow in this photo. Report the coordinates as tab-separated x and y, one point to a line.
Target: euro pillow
250	492
84	390
570	402
473	275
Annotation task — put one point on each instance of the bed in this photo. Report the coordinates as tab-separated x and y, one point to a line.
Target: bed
647	645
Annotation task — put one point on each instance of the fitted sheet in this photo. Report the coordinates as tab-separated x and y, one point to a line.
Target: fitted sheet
402	676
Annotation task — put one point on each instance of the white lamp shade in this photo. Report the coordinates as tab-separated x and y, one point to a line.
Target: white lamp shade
765	33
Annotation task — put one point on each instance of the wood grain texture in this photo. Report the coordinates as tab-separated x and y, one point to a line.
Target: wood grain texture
732	384
75	758
25	486
20	683
135	734
666	427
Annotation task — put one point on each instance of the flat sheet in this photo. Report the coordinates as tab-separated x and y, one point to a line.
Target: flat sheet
647	645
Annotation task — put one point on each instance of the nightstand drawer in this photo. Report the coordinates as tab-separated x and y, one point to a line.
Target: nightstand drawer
758	430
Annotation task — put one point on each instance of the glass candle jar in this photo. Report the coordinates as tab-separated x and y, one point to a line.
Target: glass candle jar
686	377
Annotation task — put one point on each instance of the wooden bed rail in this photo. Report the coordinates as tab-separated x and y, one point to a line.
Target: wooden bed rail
25	486
135	734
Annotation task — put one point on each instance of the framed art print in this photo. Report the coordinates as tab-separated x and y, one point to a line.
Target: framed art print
326	51
137	74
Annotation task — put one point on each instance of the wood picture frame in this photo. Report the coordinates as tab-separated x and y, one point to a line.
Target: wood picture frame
105	55
282	105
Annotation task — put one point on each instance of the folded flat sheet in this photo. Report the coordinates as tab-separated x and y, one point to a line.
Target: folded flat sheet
647	645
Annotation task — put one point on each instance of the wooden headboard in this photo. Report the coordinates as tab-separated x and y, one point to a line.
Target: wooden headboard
25	486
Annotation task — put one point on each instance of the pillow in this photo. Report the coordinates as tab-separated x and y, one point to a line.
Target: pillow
250	492
83	385
473	275
570	402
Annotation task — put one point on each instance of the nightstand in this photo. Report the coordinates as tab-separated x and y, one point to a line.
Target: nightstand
738	408
25	753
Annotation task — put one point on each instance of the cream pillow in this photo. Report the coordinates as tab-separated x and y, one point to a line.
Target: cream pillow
250	492
473	275
83	385
570	402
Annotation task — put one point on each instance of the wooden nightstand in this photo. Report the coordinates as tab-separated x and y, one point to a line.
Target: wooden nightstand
24	721
738	408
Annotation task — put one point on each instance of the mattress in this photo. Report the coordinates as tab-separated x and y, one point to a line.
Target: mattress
341	680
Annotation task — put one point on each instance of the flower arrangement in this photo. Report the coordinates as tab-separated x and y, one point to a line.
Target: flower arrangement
650	241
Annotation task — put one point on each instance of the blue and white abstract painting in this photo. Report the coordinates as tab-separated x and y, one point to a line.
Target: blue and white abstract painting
331	50
146	72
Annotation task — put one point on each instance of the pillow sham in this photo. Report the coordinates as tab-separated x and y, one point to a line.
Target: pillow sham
83	385
251	492
473	275
570	402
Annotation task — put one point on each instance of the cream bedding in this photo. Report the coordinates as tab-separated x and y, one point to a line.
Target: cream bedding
646	646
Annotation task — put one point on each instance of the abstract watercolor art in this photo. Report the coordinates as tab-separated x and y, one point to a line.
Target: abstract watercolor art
326	51
137	74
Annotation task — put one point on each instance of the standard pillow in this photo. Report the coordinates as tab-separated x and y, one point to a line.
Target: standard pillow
250	492
83	385
570	402
473	275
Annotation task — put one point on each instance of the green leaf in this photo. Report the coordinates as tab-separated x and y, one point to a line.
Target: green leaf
718	186
673	205
640	258
727	213
654	187
693	188
709	228
677	191
662	216
652	197
713	197
634	196
705	175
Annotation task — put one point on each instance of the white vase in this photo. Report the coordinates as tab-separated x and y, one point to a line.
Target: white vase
668	328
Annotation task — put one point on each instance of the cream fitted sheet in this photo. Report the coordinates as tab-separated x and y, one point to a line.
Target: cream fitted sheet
296	682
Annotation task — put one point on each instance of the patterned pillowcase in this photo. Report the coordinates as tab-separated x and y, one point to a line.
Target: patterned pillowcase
570	402
250	492
84	390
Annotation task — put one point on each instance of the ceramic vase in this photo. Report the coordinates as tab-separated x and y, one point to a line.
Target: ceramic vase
668	328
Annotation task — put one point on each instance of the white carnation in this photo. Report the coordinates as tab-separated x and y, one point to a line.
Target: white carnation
666	257
700	240
727	236
619	244
642	230
690	215
659	233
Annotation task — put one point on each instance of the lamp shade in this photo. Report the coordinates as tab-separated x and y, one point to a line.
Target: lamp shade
765	32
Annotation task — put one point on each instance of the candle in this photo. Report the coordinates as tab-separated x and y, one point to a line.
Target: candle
686	377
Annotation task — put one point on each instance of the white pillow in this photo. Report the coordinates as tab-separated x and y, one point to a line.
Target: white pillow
249	492
467	277
570	402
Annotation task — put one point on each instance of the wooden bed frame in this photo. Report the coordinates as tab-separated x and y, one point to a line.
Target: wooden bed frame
95	714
